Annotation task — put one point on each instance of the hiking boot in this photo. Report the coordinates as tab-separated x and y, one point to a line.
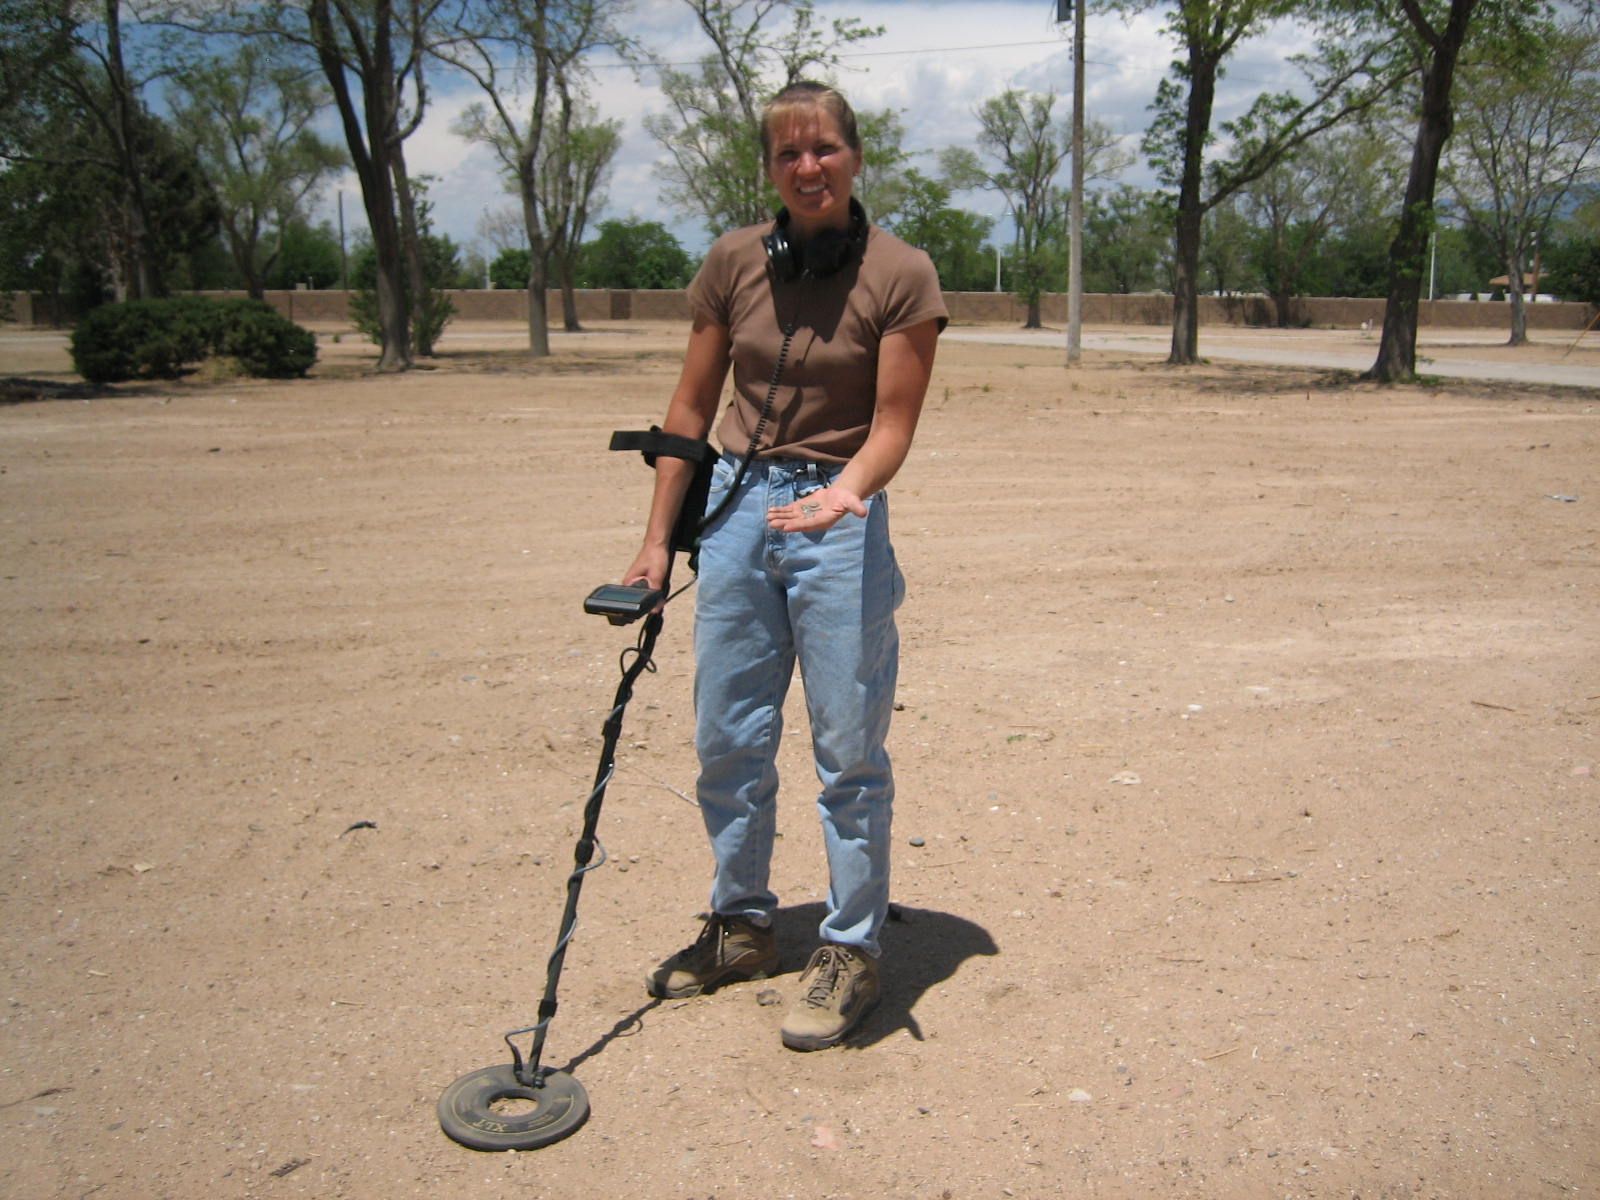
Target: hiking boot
839	987
728	950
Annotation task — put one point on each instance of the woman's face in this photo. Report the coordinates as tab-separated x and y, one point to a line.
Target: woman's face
813	168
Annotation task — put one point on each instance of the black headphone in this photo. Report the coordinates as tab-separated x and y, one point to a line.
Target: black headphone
824	254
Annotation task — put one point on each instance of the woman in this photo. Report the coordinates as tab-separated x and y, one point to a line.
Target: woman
830	325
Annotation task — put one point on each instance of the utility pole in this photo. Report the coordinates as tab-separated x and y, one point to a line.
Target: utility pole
1075	217
344	265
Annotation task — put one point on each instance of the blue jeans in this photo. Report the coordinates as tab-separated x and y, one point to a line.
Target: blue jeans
765	601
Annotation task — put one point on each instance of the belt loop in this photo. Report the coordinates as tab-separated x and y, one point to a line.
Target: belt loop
811	473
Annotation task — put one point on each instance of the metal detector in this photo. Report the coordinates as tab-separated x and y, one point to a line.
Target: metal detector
522	1105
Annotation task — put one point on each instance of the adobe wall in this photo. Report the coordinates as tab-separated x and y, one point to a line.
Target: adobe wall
968	308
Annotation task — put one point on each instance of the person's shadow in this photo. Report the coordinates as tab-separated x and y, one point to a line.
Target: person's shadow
922	947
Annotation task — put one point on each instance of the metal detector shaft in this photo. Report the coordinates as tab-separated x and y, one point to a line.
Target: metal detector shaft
583	853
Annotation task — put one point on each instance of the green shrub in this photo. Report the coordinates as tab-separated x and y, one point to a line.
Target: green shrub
157	339
266	344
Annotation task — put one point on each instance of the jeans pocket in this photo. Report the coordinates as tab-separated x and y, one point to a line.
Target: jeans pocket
722	473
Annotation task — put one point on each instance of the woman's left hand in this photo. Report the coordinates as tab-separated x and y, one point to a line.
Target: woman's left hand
815	511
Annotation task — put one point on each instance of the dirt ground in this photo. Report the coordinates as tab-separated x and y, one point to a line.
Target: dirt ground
1247	842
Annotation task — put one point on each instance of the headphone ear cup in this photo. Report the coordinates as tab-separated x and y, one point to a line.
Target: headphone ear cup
780	252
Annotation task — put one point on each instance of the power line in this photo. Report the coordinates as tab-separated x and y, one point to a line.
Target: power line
951	49
876	53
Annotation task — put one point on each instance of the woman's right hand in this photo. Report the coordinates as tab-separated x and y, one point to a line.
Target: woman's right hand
649	567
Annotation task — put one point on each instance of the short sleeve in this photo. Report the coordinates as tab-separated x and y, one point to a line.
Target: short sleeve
710	292
914	295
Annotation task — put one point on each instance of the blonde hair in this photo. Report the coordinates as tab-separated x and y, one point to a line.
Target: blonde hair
806	94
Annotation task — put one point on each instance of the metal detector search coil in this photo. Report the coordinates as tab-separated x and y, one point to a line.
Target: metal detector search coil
482	1110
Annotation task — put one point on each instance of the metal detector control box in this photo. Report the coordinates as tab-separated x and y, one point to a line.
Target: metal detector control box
623	603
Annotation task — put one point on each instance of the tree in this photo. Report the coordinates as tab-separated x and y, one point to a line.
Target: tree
502	228
571	180
1352	68
379	48
249	118
634	253
1026	147
1016	130
46	215
1225	249
712	129
473	271
952	237
1574	259
1459	260
881	187
441	270
36	38
1127	241
1332	184
546	41
509	269
1527	129
82	227
81	118
1440	29
307	254
1575	270
372	53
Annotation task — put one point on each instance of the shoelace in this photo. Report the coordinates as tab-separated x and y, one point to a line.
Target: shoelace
711	932
829	964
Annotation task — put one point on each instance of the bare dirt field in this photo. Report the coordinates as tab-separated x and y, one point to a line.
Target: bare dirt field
1248	837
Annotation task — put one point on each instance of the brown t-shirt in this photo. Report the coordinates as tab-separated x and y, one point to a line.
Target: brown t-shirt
825	397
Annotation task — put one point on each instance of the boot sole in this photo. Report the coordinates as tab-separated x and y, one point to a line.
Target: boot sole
801	1041
702	989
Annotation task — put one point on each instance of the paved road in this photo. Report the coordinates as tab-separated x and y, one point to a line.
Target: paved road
1450	359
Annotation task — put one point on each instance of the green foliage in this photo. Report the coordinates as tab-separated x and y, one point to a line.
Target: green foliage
265	344
1526	140
439	272
882	185
1574	270
634	254
41	250
952	237
35	39
248	117
208	267
509	269
140	339
144	339
1225	251
111	184
68	226
1025	146
307	254
1127	241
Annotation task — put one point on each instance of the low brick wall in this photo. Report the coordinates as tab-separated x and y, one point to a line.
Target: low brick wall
971	308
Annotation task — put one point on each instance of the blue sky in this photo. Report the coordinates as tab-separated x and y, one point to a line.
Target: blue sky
936	62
